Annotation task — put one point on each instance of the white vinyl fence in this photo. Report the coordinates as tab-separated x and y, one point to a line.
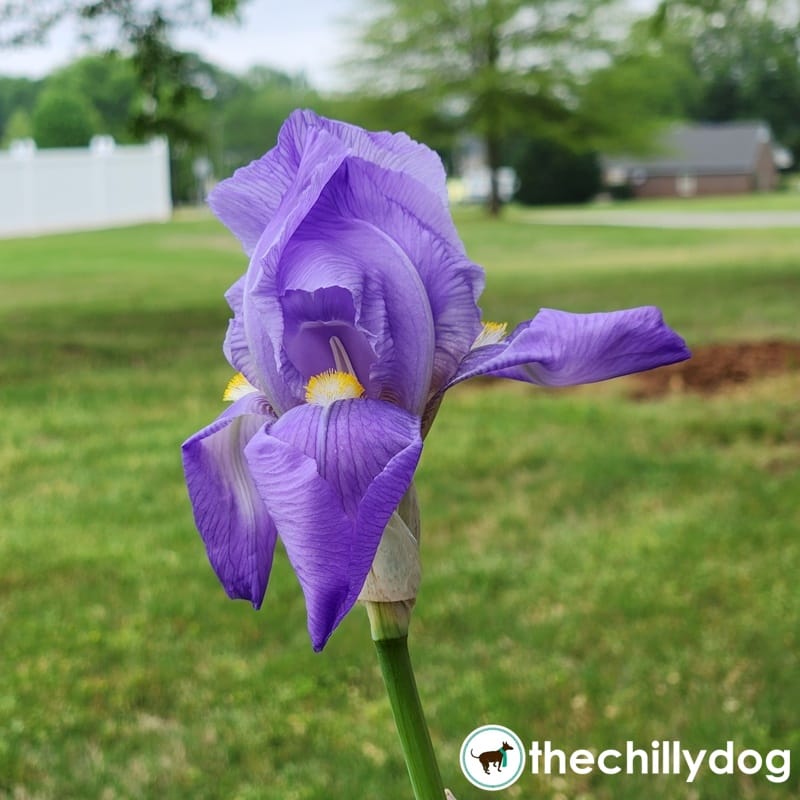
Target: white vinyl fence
65	189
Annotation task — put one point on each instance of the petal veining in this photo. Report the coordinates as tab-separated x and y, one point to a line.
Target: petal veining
557	348
331	478
229	513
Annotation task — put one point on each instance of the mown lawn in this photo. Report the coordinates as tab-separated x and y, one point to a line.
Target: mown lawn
787	199
596	569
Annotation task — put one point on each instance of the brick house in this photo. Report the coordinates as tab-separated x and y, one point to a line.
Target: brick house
722	158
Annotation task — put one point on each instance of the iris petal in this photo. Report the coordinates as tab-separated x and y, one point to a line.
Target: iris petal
557	348
229	513
390	306
248	200
261	307
396	152
331	478
311	320
419	225
235	346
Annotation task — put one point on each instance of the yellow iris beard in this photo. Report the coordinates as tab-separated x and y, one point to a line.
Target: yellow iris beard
238	386
327	387
492	333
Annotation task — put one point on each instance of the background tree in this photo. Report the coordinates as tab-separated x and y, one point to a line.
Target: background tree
64	119
620	107
623	105
25	22
18	126
550	172
17	97
108	82
497	66
745	58
170	100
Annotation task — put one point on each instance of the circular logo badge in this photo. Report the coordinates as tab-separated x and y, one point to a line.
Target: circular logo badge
492	757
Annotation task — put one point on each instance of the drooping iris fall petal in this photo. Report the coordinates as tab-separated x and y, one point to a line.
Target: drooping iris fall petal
557	348
229	513
331	477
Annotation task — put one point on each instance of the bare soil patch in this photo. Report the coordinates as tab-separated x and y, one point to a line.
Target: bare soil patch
717	367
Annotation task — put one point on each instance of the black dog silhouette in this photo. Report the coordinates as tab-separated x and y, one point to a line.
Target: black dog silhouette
492	757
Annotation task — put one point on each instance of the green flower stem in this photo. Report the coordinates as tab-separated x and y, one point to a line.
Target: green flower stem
389	622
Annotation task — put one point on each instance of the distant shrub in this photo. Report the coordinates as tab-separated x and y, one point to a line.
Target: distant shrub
550	173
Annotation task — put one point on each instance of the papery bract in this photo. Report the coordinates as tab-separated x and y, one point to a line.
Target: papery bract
357	311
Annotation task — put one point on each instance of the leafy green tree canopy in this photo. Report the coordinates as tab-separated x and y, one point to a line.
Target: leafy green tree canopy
144	30
18	126
62	119
24	22
498	67
745	58
108	82
16	94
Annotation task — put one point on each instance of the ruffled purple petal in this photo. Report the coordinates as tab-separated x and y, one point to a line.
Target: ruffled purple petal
262	316
334	262
331	478
397	152
248	200
557	348
229	513
408	334
418	223
235	346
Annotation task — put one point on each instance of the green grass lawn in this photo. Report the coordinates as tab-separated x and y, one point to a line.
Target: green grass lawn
788	200
596	570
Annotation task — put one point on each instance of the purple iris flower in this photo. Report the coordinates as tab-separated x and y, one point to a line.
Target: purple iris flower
357	312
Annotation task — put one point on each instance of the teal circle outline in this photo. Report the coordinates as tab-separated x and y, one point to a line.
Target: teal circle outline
506	732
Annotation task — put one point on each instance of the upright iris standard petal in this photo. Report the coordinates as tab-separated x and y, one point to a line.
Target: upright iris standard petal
249	200
557	348
235	346
341	173
424	230
393	152
229	513
261	313
386	313
331	477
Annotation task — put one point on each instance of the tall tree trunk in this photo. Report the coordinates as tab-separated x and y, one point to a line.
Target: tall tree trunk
493	110
493	162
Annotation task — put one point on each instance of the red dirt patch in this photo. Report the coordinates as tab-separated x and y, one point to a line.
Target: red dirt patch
716	367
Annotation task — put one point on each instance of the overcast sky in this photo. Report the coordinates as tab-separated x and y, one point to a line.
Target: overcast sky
308	36
294	35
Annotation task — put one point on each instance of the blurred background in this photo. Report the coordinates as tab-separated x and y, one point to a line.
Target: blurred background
538	102
609	563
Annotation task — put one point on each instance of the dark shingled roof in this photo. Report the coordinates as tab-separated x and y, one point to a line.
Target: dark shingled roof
718	149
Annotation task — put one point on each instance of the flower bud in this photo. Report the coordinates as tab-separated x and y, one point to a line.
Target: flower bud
395	574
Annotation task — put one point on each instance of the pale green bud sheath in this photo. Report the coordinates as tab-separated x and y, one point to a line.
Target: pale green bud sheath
389	596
